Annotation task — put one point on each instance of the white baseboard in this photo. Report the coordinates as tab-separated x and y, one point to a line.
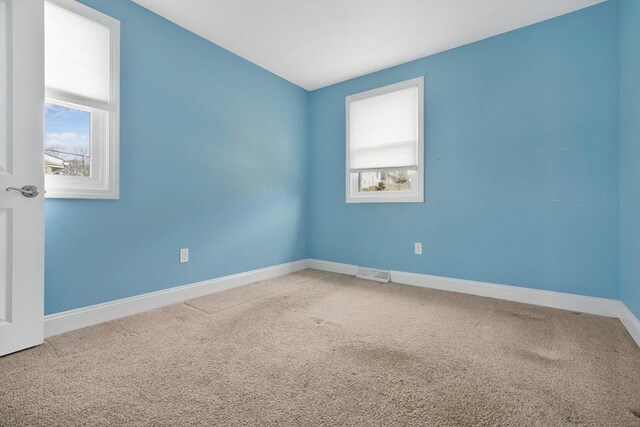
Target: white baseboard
579	303
334	267
87	316
92	315
564	301
631	322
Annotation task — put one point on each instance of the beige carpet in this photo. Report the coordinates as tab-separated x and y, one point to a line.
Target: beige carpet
316	348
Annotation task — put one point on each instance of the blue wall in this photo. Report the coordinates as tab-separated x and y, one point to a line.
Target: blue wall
524	168
521	163
213	154
630	155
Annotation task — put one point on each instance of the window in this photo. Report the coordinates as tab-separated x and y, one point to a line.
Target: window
81	109
385	144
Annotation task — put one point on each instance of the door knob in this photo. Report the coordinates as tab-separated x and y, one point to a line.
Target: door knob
28	191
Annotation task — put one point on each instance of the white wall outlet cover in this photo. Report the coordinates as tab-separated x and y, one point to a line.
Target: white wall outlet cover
184	255
418	248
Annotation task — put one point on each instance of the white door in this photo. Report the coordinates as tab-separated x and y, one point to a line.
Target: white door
21	148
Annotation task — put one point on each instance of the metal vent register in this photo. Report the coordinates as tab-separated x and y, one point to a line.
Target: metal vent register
373	274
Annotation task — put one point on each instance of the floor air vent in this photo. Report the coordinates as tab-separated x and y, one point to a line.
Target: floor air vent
373	274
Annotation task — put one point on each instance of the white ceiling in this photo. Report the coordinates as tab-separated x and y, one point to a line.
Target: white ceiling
315	43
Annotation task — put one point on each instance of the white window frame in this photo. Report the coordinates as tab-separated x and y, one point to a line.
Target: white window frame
105	117
351	179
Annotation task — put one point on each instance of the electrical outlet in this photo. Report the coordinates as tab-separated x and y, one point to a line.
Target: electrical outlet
417	248
184	255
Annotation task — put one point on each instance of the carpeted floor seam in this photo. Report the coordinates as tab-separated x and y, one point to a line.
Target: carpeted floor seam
196	308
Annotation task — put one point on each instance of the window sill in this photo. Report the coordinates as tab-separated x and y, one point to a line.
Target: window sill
80	194
391	198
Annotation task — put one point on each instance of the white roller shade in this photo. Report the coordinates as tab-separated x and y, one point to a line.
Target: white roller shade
383	131
76	55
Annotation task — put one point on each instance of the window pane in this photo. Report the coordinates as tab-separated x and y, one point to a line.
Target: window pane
392	180
67	141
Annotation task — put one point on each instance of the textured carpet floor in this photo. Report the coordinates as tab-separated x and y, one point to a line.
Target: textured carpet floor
316	348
